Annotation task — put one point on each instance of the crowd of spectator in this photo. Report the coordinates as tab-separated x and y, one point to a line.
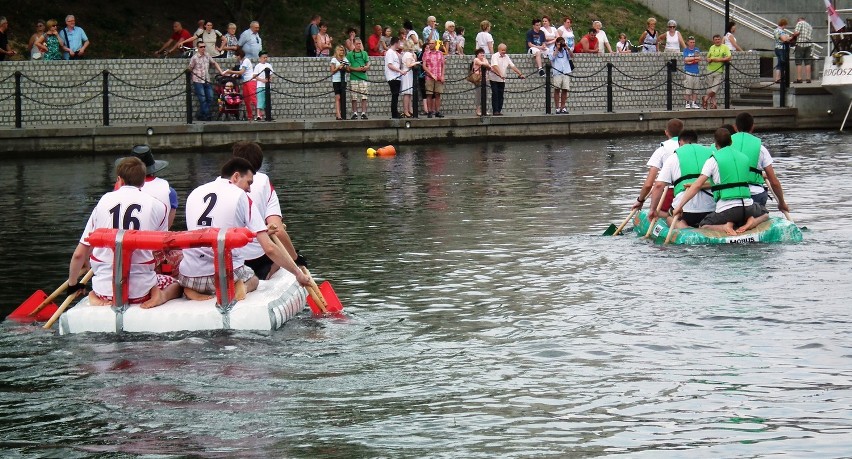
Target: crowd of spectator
49	42
415	60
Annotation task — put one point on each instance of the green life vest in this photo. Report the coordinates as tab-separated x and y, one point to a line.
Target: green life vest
691	158
750	146
733	175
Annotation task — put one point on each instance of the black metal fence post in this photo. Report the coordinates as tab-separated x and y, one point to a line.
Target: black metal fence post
415	93
19	116
268	105
106	97
188	97
483	90
670	69
727	85
547	109
343	93
785	74
609	67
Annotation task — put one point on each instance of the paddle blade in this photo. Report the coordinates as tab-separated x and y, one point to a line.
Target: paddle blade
315	309
331	299
22	312
610	231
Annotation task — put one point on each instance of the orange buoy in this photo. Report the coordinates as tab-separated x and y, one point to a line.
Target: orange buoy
386	151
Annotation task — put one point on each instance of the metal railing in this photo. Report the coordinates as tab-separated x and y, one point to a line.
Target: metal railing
749	20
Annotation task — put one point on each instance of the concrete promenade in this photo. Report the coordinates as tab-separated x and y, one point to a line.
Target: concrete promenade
375	132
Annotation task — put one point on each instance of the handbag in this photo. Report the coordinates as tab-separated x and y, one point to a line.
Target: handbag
35	54
571	64
473	77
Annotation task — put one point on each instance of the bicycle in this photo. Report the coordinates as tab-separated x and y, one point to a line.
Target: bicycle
183	52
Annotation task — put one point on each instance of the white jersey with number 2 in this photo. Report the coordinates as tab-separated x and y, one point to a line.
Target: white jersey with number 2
218	204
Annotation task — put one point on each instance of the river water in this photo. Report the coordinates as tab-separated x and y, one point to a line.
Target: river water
486	317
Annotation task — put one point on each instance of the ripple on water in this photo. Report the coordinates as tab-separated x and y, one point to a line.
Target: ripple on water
486	318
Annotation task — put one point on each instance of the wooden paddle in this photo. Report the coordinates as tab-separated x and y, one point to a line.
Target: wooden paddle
653	222
56	293
316	296
786	214
313	290
671	230
67	301
613	231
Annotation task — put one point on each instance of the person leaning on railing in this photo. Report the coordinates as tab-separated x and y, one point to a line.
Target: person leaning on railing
781	37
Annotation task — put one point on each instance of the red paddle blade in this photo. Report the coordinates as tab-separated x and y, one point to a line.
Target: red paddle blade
22	313
314	308
330	297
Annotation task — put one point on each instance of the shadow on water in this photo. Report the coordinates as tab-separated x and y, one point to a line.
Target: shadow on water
486	317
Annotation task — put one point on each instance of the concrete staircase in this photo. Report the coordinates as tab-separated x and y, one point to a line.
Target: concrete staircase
758	95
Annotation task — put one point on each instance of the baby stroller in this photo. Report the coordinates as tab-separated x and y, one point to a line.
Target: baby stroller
230	99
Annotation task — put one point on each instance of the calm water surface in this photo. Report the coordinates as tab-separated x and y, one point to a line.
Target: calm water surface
486	317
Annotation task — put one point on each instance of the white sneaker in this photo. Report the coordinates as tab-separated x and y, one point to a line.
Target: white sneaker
688	105
695	105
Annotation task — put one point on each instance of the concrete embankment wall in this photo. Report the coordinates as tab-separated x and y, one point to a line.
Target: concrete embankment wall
145	91
375	133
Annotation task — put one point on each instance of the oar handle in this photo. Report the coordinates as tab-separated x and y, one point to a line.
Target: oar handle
315	293
68	300
671	230
53	295
313	290
653	223
624	223
61	309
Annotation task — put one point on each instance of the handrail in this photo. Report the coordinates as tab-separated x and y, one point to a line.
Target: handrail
841	12
746	18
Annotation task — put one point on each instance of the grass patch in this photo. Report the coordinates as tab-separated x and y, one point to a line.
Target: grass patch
138	29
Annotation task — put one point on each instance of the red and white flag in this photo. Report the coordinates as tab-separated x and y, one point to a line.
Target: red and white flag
836	21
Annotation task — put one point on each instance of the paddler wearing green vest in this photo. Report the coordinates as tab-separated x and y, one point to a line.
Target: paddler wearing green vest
760	162
658	158
729	169
680	171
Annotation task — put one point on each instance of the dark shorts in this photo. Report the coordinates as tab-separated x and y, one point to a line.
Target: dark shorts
802	55
260	266
738	215
338	87
761	198
693	219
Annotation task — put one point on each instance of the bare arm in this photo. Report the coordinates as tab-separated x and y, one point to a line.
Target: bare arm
216	64
776	188
689	194
733	41
40	43
281	232
656	196
646	187
78	260
280	258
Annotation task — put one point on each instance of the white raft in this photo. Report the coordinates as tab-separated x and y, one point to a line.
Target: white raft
273	303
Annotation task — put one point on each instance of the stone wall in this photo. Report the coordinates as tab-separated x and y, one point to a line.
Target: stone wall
154	90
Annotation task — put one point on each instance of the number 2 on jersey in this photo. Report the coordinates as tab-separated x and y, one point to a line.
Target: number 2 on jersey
205	219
